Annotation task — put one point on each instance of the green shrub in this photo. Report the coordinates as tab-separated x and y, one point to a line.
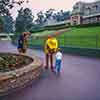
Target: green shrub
86	25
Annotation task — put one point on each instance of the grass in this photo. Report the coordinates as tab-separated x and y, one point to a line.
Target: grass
76	37
84	31
82	37
38	39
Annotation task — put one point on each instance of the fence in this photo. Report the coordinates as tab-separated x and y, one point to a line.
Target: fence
69	41
84	41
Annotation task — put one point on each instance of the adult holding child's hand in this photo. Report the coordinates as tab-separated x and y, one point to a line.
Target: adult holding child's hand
51	46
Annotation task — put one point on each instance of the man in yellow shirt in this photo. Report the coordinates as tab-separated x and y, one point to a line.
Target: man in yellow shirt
51	46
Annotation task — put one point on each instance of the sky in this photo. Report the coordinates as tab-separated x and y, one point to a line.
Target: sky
57	4
38	5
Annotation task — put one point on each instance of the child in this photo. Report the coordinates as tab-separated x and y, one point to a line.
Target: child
58	58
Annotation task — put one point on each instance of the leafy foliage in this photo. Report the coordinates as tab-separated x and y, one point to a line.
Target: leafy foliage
6	5
61	15
24	20
6	24
49	15
40	18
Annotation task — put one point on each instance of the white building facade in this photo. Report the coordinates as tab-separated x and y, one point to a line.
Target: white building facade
85	13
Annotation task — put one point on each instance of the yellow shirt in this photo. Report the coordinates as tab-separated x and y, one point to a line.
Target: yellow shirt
51	44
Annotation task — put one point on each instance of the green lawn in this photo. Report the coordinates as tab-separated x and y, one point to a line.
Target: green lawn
79	37
84	31
38	37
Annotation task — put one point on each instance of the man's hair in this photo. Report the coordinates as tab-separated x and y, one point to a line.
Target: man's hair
49	36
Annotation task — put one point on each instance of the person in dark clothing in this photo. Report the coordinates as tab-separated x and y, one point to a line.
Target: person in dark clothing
22	42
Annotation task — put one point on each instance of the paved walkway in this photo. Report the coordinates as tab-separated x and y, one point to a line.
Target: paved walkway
79	80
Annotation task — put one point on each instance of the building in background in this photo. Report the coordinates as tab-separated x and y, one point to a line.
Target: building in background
85	13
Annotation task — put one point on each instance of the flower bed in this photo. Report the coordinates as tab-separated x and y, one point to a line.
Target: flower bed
10	62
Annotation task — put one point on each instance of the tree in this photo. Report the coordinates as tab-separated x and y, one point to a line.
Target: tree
61	16
24	20
66	15
6	5
40	18
49	13
8	24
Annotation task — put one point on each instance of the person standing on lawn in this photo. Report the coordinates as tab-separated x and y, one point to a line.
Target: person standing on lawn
22	42
51	46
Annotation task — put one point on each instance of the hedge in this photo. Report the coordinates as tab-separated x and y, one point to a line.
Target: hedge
61	26
86	25
54	27
37	29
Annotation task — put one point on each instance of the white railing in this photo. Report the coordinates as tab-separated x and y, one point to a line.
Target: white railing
5	36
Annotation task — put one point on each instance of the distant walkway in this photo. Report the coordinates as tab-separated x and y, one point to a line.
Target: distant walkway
79	80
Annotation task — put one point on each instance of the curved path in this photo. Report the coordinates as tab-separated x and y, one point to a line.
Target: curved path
79	80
